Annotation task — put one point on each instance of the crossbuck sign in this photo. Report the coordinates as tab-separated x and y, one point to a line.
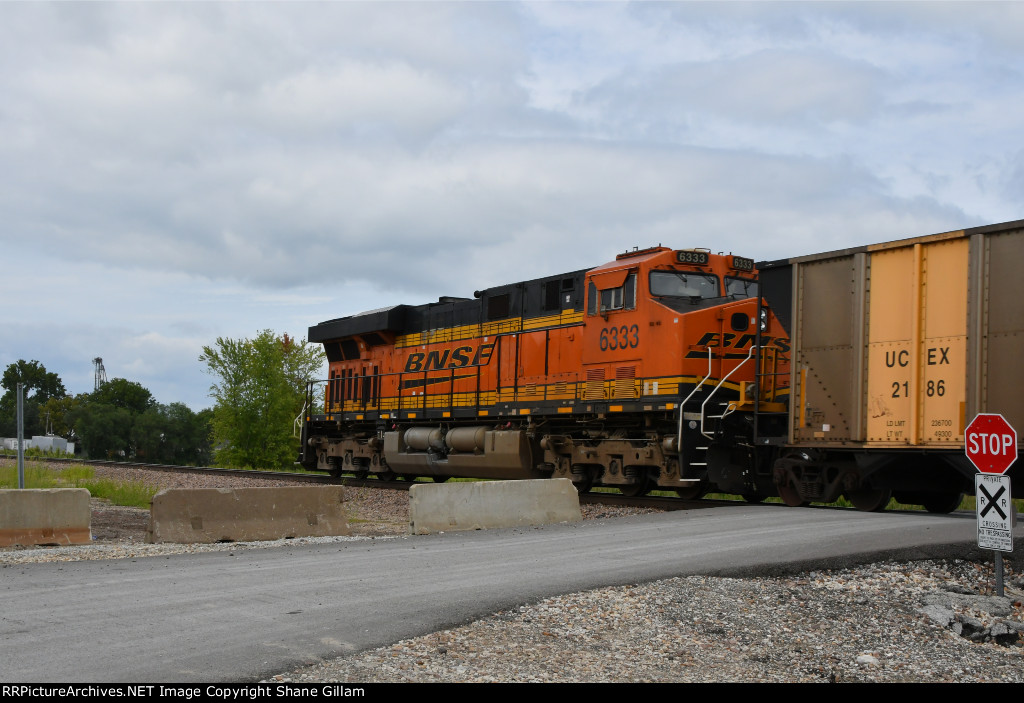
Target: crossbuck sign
995	512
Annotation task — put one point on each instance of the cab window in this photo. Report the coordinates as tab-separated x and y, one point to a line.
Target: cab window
740	288
684	284
619	298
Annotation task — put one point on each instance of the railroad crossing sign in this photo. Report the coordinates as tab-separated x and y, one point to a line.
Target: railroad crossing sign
990	443
995	512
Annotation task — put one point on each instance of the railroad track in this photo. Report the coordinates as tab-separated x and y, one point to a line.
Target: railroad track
613	499
278	475
658	502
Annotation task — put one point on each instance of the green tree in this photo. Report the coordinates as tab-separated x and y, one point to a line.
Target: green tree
59	413
105	431
39	386
38	383
260	389
172	434
105	419
125	394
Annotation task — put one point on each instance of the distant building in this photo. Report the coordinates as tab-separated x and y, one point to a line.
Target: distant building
45	443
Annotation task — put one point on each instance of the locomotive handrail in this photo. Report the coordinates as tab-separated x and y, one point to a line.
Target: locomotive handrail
721	382
679	437
297	424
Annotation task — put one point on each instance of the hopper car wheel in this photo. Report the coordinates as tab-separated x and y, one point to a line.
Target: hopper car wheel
640	488
791	496
408	477
361	474
869	500
906	498
440	479
386	475
942	502
753	497
693	491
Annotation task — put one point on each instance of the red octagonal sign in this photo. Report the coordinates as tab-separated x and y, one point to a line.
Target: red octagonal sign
990	443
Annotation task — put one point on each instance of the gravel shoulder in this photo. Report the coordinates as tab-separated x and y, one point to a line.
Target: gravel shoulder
927	621
861	625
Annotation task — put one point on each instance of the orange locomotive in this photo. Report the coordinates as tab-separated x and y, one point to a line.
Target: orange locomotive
662	369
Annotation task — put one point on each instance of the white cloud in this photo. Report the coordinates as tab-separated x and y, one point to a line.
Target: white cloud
170	173
355	94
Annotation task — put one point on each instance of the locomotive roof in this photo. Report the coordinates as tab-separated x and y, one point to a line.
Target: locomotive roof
390	319
452	310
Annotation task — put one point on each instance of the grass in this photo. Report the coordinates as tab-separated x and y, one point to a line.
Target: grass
35	477
131	493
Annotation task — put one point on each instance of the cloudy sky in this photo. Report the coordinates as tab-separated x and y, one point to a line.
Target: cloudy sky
177	172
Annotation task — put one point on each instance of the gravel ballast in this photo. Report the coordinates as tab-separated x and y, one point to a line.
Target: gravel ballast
927	621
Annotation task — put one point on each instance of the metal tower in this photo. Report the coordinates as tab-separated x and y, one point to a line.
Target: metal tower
101	373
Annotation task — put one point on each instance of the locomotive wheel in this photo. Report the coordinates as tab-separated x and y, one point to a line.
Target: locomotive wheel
693	491
869	500
791	496
942	502
640	488
584	484
753	497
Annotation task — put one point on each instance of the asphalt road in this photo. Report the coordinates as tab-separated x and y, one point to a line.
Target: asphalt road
246	615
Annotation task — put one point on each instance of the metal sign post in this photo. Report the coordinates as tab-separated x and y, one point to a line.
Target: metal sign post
21	436
991	445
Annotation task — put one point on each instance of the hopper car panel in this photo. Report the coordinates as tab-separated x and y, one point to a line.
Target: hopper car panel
894	351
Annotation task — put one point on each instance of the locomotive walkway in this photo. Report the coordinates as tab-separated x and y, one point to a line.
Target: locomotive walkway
241	616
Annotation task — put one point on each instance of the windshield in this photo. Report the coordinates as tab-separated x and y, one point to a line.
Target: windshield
684	284
740	288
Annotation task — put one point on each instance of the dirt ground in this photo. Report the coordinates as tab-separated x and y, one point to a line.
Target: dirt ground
115	523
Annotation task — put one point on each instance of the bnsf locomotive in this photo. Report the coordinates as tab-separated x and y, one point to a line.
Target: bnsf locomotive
849	373
635	374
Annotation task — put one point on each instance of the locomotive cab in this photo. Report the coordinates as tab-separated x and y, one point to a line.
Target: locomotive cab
680	339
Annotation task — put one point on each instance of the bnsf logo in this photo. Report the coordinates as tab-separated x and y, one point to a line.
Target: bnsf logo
736	341
449	358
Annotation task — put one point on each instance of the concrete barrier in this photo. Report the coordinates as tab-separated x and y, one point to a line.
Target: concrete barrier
205	515
30	516
477	505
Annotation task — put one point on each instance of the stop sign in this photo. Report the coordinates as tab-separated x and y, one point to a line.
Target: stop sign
990	443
